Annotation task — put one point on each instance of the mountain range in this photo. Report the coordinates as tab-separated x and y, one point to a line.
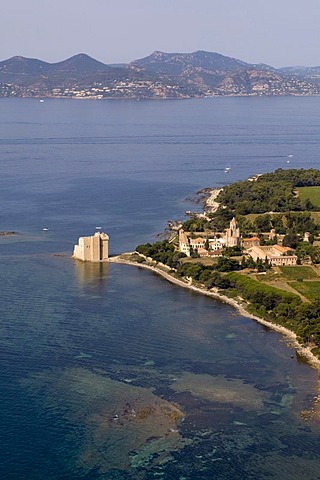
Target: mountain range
159	75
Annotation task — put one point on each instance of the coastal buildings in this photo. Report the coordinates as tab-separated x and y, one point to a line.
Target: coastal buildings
250	242
275	254
212	244
184	245
92	249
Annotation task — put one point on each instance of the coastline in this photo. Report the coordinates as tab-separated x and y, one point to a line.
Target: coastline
305	352
210	203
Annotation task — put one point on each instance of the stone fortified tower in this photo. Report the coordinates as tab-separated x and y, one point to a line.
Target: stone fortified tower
92	249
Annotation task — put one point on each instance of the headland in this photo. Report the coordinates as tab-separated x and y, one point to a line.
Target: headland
256	246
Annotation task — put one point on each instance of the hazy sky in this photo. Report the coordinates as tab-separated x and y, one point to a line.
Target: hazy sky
277	32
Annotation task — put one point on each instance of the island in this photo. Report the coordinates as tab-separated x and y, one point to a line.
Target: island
256	246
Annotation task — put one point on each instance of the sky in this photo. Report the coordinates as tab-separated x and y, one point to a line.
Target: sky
276	32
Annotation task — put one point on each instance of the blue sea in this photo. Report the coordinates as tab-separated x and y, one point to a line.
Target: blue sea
108	371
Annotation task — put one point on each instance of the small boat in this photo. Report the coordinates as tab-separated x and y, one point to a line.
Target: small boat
227	170
98	228
41	101
290	156
45	229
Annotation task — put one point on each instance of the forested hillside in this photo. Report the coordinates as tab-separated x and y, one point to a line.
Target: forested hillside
270	192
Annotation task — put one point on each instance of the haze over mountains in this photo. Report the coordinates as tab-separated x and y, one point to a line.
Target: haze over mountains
160	75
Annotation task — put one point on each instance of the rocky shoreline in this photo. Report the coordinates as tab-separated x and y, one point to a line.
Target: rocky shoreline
163	271
210	203
7	234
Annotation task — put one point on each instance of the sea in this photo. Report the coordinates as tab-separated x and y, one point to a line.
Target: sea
108	371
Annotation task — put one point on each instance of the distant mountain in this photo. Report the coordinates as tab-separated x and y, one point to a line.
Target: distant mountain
81	64
178	63
22	65
159	75
302	71
217	74
33	77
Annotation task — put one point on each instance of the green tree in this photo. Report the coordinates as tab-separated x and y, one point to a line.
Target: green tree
291	240
225	264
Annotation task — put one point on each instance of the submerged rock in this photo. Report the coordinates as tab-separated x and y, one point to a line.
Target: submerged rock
122	426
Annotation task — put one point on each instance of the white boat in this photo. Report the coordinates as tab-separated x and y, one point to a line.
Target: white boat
45	229
41	101
98	228
227	170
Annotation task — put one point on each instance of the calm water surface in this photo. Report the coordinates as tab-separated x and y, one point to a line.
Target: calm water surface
107	371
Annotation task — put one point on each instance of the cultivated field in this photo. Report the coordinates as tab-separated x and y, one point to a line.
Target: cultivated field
298	272
302	280
310	290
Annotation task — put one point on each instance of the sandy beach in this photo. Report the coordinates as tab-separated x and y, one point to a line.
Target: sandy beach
163	271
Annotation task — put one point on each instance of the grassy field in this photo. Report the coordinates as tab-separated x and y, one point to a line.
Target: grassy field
295	273
311	290
316	217
313	193
206	261
252	216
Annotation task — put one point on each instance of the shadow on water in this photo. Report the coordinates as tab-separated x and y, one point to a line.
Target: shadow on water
91	276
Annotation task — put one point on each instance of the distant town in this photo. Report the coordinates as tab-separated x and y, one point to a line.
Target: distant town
159	76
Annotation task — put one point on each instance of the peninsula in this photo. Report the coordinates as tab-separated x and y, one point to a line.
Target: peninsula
257	249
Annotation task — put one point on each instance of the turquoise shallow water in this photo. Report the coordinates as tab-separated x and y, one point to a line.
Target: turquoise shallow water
107	371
